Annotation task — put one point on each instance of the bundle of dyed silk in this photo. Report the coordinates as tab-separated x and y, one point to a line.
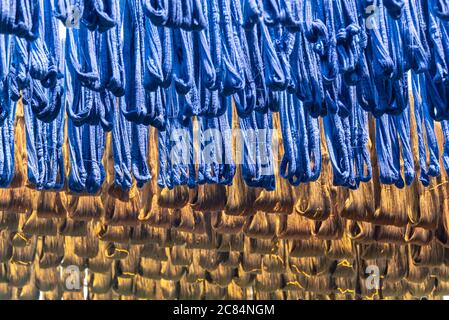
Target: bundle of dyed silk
184	67
224	149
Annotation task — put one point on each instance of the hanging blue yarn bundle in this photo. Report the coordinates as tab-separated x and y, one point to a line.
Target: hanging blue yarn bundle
198	69
7	149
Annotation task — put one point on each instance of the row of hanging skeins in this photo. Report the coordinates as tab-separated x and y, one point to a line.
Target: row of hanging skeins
271	278
326	219
184	214
415	215
387	207
257	223
326	269
33	228
89	248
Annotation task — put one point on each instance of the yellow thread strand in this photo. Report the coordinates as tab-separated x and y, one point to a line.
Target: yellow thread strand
373	296
300	271
305	211
23	237
276	257
345	263
437	186
21	263
133	192
344	291
295	283
131	274
115	251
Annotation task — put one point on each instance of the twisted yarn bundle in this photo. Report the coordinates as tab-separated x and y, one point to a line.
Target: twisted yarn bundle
211	149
